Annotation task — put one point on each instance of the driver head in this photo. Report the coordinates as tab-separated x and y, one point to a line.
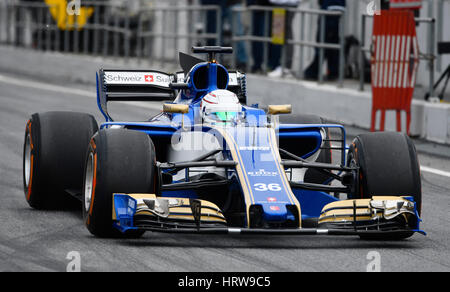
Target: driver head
221	106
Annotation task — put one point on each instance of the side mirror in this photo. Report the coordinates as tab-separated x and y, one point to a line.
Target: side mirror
279	109
175	108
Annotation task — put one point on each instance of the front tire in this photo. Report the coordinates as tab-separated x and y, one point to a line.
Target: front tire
117	161
388	167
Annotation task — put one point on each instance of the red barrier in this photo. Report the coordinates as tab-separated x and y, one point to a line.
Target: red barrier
395	58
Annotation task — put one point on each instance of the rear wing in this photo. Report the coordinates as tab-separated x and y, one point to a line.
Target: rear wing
150	85
132	85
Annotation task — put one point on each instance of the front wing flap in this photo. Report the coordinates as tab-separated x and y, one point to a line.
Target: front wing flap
146	211
381	213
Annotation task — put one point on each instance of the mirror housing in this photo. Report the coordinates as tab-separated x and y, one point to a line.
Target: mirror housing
279	109
175	108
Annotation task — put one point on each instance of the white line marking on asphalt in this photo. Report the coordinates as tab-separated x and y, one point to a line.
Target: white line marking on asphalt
45	86
434	171
57	88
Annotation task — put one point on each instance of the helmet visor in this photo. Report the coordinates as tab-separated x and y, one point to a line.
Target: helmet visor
225	116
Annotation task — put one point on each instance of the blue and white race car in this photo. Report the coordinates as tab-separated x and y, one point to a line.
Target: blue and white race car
210	164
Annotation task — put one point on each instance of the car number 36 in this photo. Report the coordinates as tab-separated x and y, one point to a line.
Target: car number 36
261	187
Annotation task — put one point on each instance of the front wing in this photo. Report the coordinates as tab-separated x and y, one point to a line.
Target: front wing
379	215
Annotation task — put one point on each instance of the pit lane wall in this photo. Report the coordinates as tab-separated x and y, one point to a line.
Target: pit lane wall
342	105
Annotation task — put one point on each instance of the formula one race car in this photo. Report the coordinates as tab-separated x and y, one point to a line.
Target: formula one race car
210	164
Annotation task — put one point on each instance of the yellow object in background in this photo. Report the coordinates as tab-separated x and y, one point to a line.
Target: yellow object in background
59	11
278	26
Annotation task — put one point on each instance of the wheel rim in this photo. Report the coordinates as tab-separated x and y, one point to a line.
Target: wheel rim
27	160
88	184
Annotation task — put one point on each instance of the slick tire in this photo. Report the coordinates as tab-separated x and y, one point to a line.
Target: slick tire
388	167
53	157
117	161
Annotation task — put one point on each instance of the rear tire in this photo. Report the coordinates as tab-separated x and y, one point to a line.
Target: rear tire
117	161
388	167
53	157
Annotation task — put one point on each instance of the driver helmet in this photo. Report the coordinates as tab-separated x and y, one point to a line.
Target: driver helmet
221	106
